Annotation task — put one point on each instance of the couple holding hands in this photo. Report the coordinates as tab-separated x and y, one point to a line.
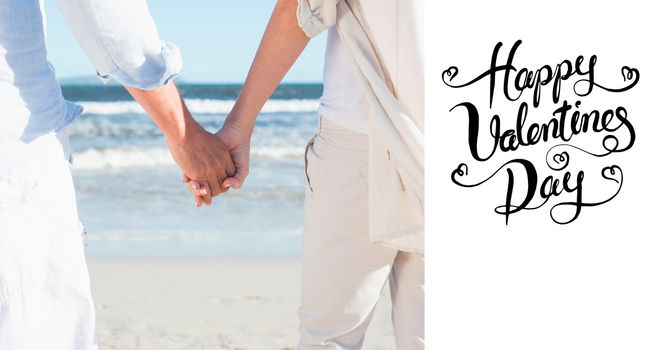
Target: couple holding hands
364	208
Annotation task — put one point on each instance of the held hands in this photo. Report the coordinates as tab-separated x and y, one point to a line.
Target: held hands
205	157
201	156
237	145
214	161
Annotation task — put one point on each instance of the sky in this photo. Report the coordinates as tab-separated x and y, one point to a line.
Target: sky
217	38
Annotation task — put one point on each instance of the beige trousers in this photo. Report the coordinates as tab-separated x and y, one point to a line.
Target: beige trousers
343	273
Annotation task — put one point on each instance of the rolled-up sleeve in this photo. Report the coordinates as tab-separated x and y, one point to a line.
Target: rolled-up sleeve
121	40
314	16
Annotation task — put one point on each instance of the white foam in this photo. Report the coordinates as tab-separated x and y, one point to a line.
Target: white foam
194	236
201	106
121	158
132	157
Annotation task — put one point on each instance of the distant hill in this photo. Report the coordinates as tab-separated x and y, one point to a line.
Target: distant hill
94	81
85	80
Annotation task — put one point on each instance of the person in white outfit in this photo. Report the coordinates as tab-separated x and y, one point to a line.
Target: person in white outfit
364	217
45	298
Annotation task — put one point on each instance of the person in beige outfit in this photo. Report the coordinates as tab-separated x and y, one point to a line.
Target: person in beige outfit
364	210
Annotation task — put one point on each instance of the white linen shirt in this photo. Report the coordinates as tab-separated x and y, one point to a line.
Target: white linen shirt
119	36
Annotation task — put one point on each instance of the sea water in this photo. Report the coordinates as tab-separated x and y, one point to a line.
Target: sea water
129	191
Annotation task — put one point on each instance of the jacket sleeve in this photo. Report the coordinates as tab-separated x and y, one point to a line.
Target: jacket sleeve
314	16
121	40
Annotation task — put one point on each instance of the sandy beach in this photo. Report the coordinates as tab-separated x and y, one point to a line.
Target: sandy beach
206	304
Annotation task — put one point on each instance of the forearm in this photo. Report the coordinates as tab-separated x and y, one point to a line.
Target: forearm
281	45
167	109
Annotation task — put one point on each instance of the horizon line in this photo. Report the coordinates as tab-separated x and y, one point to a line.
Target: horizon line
95	81
64	82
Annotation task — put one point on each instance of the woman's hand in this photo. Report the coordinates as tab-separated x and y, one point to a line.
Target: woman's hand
239	145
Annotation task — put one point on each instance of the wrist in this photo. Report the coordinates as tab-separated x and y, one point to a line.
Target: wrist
240	123
183	131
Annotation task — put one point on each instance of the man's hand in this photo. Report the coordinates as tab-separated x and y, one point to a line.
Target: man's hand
203	157
238	144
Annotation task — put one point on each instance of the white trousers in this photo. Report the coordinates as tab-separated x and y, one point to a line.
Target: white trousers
343	273
45	298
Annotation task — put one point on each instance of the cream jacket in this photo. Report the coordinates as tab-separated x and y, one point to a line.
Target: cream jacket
388	51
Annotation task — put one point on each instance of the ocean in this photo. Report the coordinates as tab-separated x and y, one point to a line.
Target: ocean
129	191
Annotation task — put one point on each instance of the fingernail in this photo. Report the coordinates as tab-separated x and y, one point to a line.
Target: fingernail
194	187
229	185
204	191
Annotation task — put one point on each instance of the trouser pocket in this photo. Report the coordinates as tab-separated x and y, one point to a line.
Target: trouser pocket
308	146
